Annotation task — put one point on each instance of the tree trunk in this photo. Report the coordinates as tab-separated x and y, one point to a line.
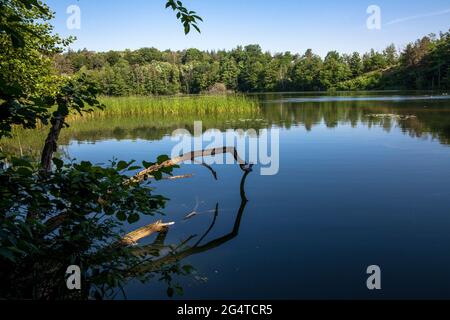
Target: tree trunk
51	143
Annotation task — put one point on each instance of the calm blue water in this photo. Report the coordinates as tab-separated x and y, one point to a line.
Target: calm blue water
353	190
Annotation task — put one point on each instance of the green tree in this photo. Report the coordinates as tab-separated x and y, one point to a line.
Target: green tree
27	80
355	63
306	72
374	61
192	55
229	73
391	55
334	70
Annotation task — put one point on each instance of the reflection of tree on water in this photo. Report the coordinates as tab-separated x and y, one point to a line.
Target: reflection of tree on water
184	250
158	259
166	259
432	119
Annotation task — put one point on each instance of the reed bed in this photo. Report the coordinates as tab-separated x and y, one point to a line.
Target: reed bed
144	117
173	106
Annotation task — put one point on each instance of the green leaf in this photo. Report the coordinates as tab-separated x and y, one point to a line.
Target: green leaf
58	163
24	172
147	164
157	175
8	254
121	216
196	28
163	158
133	168
16	162
122	165
132	218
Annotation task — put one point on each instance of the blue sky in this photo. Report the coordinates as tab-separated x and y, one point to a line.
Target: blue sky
277	25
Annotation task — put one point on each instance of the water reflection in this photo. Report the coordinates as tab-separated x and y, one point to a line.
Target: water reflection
423	117
166	259
354	195
185	249
419	116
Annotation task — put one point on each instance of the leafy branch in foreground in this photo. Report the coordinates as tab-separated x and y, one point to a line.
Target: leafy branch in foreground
188	18
75	214
15	18
56	214
96	201
28	81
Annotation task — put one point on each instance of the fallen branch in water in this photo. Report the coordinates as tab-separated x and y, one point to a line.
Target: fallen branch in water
56	221
184	176
190	156
141	233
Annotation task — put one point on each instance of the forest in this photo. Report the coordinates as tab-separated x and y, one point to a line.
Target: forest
57	211
421	65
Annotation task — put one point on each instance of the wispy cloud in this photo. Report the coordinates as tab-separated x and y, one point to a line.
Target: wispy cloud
420	16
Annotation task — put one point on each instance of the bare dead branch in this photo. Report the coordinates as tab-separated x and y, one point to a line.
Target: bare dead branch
141	233
190	156
56	221
184	176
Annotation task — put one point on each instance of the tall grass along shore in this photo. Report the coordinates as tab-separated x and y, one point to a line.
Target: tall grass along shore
173	106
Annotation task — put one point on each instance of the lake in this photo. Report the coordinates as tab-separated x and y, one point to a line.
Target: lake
364	179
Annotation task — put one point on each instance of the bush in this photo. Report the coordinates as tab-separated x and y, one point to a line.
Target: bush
218	88
71	216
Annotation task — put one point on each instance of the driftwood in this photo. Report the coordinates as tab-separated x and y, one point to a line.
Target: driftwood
190	156
184	176
133	237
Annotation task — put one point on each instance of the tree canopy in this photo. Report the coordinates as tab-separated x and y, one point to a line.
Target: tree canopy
149	71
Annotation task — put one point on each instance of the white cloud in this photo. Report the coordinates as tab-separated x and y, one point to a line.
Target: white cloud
420	16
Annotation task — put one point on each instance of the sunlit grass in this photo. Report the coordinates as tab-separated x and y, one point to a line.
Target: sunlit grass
133	117
173	106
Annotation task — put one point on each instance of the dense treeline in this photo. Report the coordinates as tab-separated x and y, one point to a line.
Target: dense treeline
423	64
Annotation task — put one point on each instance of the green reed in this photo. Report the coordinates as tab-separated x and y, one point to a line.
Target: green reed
174	106
140	117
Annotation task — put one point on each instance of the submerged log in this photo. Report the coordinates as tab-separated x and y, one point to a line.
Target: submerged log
133	237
